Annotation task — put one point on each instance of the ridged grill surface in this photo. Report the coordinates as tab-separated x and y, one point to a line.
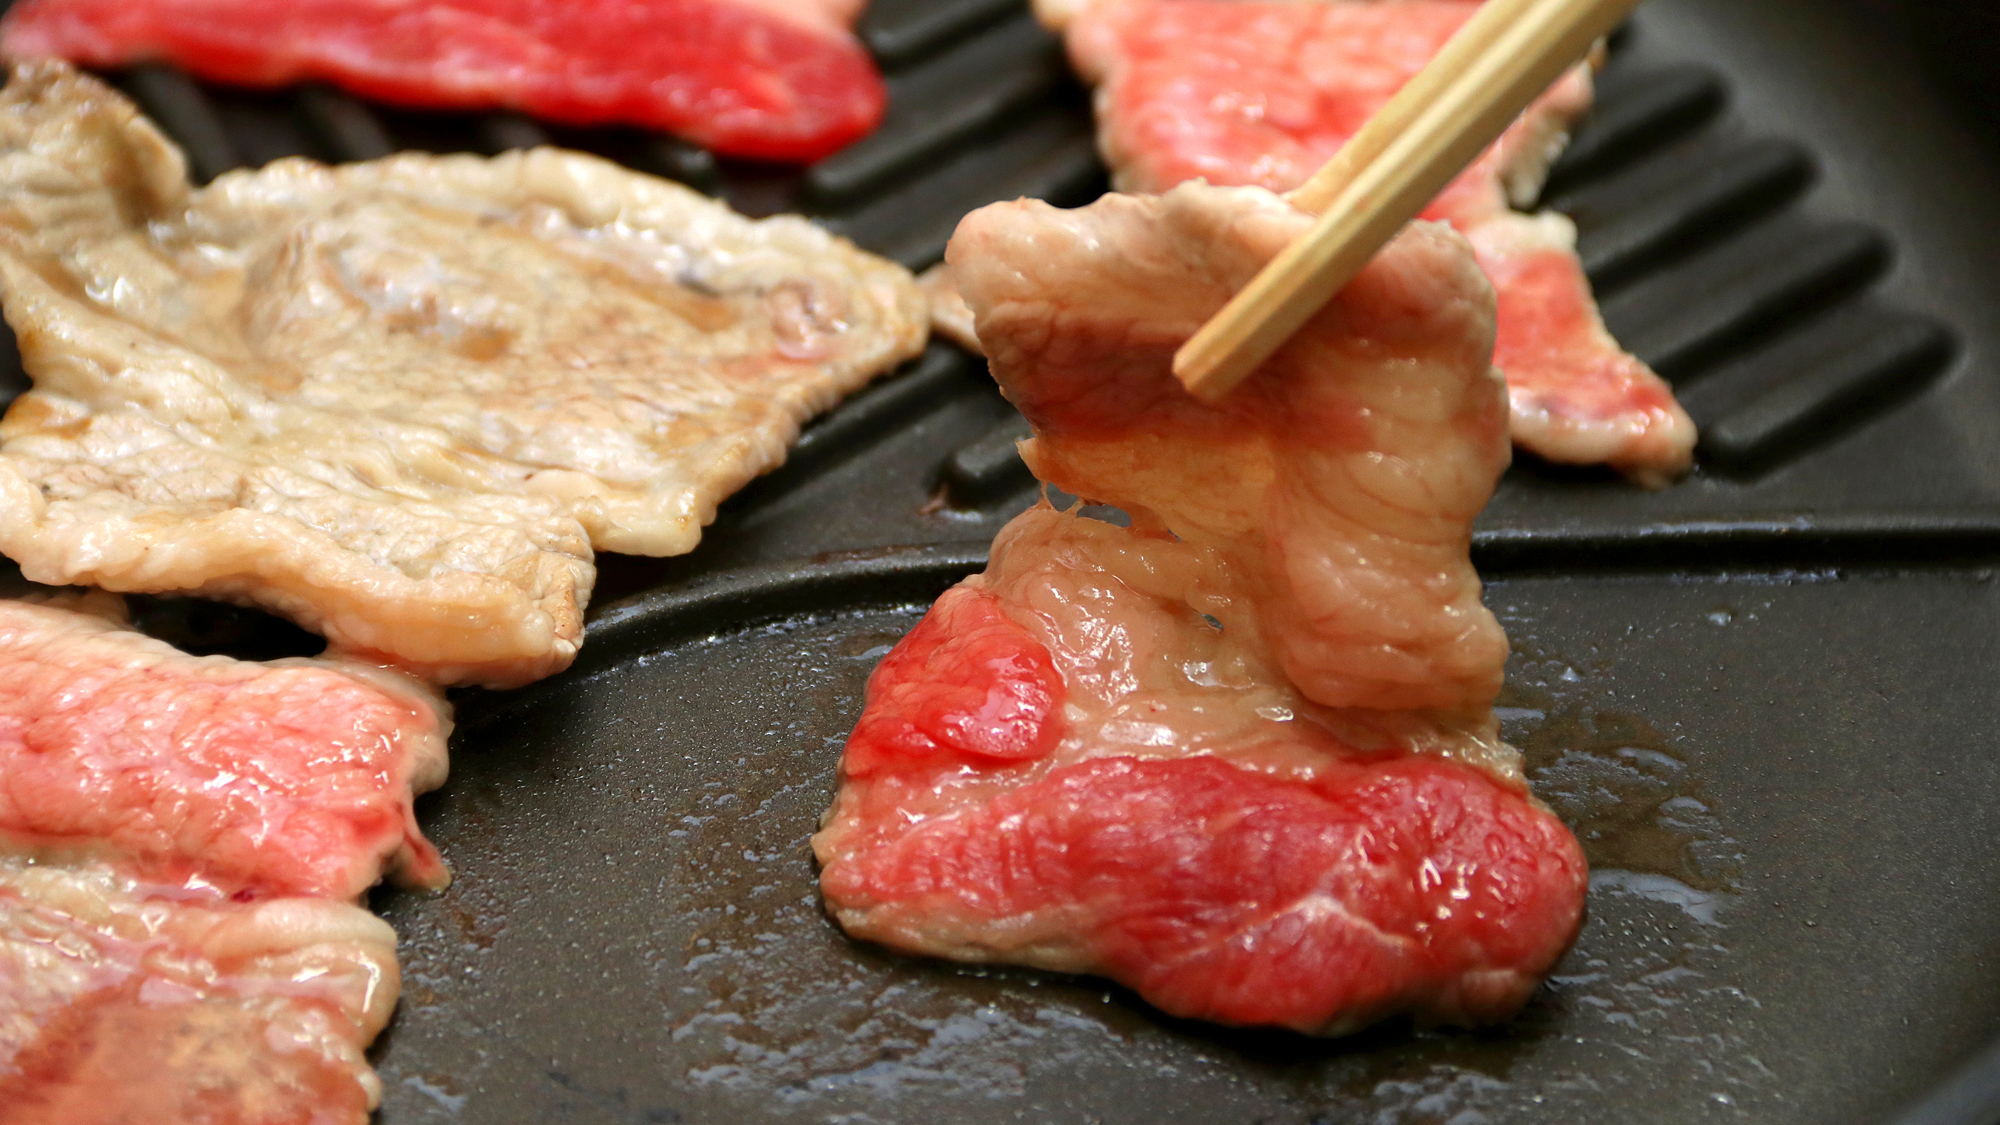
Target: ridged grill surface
1691	227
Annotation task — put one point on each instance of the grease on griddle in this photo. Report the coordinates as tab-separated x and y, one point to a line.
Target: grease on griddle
682	892
796	1012
1617	782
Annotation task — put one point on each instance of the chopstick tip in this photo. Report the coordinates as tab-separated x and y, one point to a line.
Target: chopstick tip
1207	374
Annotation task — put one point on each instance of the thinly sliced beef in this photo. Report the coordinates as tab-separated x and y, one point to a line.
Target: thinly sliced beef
122	1005
288	778
183	844
773	79
399	402
1241	755
1263	92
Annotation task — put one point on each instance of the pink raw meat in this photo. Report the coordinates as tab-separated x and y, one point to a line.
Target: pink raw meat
183	843
288	778
126	1003
1241	756
1260	92
771	79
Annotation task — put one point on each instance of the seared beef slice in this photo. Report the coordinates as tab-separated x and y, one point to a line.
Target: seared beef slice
401	401
1242	755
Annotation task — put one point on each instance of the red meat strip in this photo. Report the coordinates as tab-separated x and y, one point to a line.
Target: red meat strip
289	778
122	1004
1256	92
771	79
1240	756
183	841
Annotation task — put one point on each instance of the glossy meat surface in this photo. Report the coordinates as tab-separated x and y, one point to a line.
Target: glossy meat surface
248	779
1240	756
772	79
119	1004
1255	92
402	401
183	844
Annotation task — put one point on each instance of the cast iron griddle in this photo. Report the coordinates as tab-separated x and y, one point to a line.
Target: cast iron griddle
1762	697
1793	883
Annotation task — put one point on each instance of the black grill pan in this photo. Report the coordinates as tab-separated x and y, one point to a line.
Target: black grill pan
1760	697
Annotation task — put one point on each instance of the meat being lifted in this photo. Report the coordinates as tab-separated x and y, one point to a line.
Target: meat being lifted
1263	92
183	841
399	402
1240	756
772	79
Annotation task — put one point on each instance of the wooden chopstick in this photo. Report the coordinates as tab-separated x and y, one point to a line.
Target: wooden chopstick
1439	122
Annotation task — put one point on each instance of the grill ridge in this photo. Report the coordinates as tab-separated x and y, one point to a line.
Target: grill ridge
184	110
1693	191
989	467
1858	358
1711	268
345	128
952	98
1632	118
899	31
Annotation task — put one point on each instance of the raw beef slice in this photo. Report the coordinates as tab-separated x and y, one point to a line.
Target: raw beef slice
183	844
119	1004
772	79
294	777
